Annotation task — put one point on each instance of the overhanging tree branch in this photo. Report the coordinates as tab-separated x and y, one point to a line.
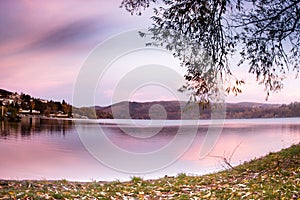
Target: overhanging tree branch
203	34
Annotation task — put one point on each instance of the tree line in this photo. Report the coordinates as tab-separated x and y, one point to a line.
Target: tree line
175	109
28	103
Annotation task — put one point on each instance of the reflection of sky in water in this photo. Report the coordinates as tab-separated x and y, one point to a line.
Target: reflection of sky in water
51	149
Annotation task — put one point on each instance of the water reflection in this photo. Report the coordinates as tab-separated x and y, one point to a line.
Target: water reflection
136	140
51	148
30	126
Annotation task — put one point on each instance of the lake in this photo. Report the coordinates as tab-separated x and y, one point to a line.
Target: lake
86	150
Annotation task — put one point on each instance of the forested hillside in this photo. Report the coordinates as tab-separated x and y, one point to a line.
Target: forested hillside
174	110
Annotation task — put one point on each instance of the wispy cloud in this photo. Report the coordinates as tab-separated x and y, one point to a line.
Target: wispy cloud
42	44
65	36
27	26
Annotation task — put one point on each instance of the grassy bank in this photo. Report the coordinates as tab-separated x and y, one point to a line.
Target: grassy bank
275	176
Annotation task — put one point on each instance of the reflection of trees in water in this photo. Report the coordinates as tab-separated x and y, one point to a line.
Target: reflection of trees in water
292	128
283	128
30	126
252	128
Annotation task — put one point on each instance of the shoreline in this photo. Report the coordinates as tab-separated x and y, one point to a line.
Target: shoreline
165	123
276	175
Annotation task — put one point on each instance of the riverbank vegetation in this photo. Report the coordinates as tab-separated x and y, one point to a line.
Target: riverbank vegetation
275	176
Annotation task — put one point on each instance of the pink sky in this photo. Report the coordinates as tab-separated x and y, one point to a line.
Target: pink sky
44	43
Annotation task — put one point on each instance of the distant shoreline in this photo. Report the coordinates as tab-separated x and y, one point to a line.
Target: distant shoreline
14	104
258	121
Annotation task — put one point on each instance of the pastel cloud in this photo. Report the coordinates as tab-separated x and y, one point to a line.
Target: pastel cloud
25	27
67	35
44	43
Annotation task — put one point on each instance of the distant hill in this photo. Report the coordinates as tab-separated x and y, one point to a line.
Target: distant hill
138	110
254	110
158	109
253	104
174	109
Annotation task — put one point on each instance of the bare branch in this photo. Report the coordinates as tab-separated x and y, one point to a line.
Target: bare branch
227	160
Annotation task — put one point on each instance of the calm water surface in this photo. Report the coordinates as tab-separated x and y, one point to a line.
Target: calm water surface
52	149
